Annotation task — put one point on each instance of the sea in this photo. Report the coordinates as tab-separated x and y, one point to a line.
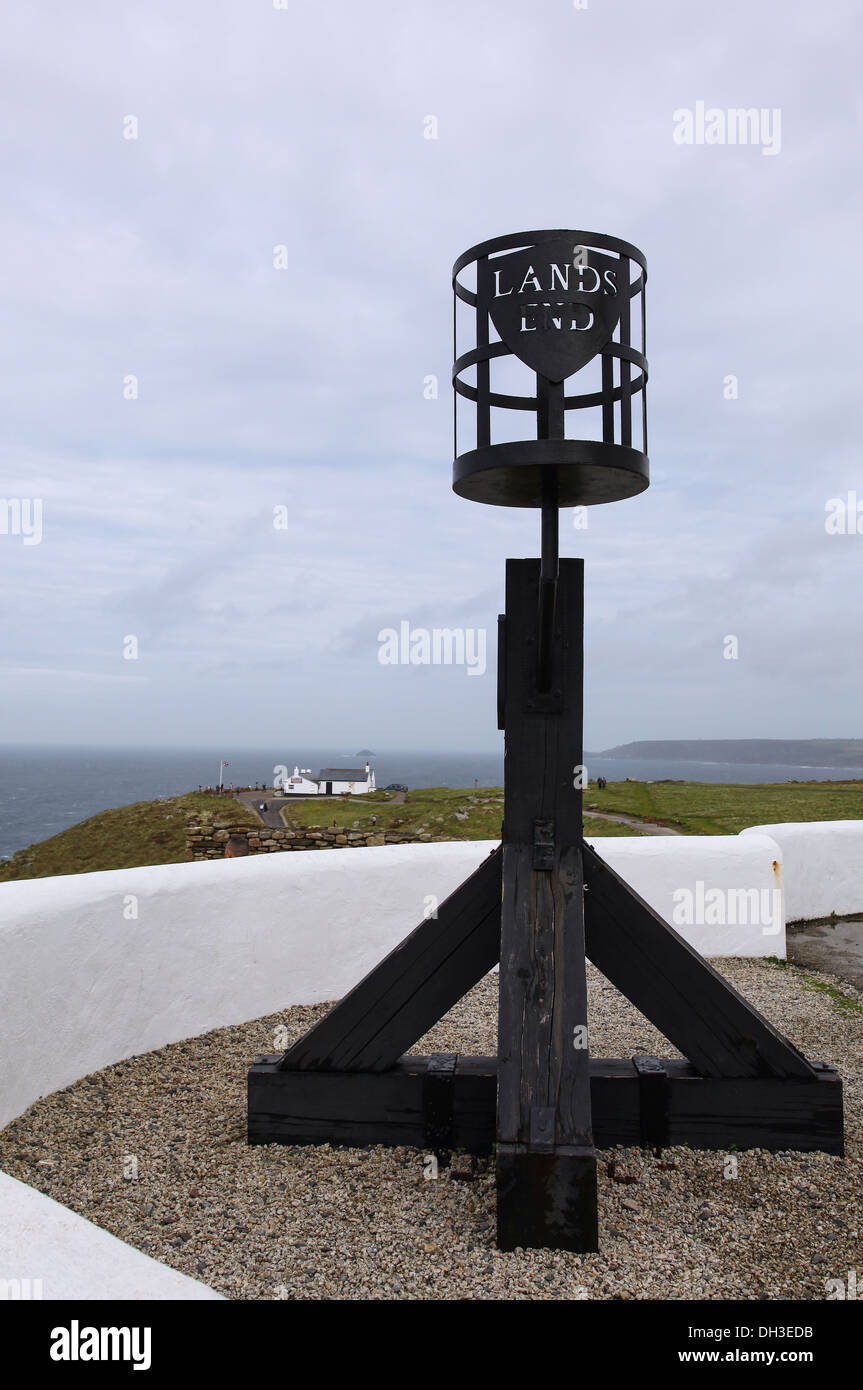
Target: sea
44	790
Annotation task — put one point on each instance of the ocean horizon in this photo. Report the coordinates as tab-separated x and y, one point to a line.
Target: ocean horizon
45	789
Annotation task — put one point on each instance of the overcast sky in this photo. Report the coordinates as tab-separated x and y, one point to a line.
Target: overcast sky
303	388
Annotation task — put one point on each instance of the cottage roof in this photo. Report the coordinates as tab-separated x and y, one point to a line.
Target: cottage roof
342	774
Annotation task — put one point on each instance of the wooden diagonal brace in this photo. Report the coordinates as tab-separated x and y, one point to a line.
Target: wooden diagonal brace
412	987
675	987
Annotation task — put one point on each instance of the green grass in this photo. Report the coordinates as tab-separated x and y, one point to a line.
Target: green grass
718	808
449	813
153	832
148	832
453	813
843	1004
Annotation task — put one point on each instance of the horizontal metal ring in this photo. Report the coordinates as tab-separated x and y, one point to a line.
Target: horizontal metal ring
583	402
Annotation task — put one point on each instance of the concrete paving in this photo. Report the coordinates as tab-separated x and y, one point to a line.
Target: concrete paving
837	949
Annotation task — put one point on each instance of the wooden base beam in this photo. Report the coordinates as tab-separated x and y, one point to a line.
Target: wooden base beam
425	1103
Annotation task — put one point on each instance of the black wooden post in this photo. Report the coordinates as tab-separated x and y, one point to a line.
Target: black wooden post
546	1162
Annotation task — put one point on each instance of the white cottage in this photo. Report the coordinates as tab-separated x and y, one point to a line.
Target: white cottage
334	780
301	783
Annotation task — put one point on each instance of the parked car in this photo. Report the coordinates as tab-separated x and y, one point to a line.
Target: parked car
396	787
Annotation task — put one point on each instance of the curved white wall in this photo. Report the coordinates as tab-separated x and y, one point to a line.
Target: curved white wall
822	866
50	1252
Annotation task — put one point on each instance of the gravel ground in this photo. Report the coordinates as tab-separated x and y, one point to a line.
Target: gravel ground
272	1222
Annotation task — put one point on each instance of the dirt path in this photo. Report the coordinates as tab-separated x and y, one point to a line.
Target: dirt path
648	827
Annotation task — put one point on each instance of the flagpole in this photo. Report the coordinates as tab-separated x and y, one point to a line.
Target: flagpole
221	770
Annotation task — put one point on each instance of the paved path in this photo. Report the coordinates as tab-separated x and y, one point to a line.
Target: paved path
838	949
646	826
272	816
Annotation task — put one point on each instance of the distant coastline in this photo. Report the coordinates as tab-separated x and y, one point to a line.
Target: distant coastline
804	753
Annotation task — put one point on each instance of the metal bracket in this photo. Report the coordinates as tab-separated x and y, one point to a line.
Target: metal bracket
653	1097
543	845
542	1127
549	703
438	1091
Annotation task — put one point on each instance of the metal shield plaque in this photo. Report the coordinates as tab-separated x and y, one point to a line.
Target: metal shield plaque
555	305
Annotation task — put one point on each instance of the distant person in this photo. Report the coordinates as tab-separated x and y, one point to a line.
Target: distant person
374	820
237	847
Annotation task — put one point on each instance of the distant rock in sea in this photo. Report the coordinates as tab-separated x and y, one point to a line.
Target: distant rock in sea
364	753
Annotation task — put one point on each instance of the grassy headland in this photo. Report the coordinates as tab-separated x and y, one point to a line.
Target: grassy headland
719	808
450	813
147	832
153	832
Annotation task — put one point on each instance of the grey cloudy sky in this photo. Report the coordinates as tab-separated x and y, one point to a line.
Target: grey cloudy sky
303	388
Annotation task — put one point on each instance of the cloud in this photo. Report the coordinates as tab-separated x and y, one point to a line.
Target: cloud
303	387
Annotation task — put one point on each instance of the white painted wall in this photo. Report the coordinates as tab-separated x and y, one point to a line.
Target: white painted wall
822	866
662	869
50	1252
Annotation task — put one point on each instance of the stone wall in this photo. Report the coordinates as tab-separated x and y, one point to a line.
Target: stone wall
206	839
